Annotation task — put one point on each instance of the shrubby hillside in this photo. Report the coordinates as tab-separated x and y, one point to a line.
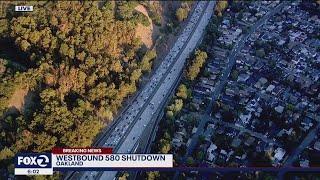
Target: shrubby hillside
79	60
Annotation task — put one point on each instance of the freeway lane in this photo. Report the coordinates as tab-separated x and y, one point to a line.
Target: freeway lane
145	97
141	112
165	87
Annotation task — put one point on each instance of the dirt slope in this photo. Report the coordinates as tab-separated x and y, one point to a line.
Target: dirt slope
145	33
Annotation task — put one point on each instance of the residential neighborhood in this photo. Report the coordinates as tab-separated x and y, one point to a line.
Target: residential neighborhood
256	101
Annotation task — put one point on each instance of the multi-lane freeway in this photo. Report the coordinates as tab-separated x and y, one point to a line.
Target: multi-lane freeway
127	131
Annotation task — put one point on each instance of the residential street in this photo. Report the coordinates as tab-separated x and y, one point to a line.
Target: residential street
305	143
242	129
220	85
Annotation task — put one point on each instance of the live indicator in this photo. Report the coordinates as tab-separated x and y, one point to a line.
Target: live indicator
24	8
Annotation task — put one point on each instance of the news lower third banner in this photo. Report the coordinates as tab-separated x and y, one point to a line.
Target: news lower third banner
85	159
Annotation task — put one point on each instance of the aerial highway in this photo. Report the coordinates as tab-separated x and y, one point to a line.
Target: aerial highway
128	129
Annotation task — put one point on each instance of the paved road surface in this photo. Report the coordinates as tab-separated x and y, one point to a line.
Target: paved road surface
128	131
223	80
147	115
242	129
305	143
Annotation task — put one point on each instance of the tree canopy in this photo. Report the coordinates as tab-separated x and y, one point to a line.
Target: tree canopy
196	64
220	7
82	62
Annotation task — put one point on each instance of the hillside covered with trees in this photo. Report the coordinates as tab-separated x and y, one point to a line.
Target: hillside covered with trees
79	61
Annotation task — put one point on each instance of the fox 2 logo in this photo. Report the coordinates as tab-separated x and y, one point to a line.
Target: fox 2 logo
33	160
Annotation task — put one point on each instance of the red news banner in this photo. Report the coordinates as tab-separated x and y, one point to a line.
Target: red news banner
103	158
58	150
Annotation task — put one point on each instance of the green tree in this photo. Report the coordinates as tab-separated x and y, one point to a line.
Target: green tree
153	175
125	9
182	14
169	115
44	142
3	27
135	76
234	75
196	65
82	68
165	146
290	107
146	62
3	67
190	161
221	6
175	107
64	49
105	113
182	91
200	155
124	176
6	153
178	104
24	45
